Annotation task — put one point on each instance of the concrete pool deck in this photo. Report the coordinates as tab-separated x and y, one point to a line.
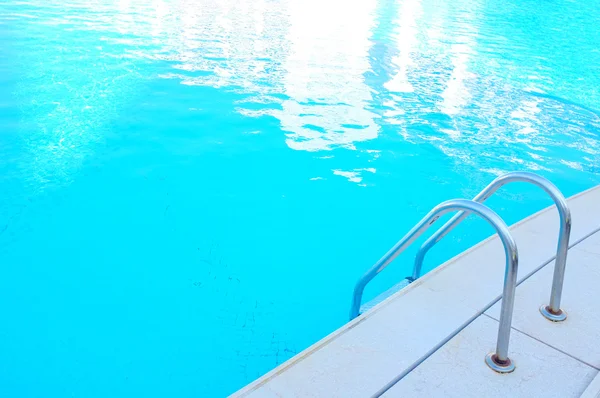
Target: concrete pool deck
388	350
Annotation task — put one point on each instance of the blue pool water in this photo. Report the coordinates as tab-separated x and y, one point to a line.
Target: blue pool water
190	189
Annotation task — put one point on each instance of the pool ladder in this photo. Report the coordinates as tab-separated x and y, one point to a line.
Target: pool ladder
498	360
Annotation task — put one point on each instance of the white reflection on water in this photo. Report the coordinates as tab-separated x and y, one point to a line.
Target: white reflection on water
451	78
328	56
406	40
456	94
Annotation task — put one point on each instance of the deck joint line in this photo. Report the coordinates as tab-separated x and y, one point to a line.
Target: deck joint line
429	353
548	345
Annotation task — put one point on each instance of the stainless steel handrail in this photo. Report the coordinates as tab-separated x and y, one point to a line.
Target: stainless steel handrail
553	310
499	360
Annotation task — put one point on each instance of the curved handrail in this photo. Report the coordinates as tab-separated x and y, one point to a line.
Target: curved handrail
510	276
552	311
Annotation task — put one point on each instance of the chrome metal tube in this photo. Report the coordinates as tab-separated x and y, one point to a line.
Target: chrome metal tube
563	238
510	274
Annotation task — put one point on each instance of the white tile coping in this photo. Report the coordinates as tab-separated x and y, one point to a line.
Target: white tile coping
579	334
370	351
593	390
457	369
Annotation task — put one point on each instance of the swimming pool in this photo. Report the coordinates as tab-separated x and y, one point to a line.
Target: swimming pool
190	189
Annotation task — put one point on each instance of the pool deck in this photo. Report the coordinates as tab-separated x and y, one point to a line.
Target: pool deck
389	350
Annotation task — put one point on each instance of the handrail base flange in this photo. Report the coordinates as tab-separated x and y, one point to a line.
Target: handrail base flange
552	316
492	361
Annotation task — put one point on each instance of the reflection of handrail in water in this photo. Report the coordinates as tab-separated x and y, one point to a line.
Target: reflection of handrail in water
499	361
551	311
